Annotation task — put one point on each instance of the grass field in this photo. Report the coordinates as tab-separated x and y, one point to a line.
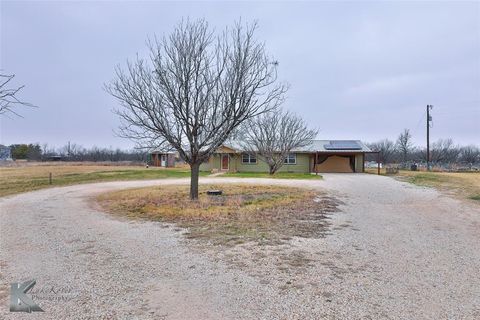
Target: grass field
278	175
33	177
462	184
242	213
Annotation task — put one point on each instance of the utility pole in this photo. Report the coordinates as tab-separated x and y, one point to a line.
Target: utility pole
429	119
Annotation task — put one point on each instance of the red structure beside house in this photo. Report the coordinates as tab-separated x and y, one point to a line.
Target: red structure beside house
163	159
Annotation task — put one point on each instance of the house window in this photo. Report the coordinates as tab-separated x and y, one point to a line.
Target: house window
249	158
291	158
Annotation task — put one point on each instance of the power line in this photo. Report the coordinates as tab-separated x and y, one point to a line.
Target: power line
419	122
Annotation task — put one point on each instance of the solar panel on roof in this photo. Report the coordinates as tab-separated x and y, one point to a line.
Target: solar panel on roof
343	145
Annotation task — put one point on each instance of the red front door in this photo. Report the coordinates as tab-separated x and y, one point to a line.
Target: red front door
225	162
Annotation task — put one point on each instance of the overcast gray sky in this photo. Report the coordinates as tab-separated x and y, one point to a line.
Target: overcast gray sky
357	70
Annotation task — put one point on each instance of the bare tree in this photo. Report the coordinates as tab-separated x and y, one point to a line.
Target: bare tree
404	144
9	100
444	151
196	88
386	149
470	154
272	136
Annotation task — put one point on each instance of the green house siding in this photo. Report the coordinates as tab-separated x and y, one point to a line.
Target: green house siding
206	166
302	165
213	163
236	165
327	155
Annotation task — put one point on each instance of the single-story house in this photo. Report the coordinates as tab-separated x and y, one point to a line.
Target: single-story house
320	156
162	159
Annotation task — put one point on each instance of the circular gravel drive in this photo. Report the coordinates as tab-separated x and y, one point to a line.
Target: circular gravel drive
394	251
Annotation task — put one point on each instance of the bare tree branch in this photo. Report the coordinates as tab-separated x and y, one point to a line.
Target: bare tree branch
9	100
195	89
444	151
272	136
470	154
385	148
404	144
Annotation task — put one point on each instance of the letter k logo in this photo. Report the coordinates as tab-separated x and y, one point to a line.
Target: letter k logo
19	301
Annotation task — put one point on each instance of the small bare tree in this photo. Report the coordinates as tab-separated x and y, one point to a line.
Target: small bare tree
404	144
9	100
385	148
470	154
444	151
272	136
196	88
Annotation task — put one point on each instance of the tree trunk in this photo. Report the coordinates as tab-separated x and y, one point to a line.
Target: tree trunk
272	170
194	172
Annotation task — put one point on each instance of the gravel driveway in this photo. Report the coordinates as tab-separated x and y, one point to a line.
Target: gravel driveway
395	251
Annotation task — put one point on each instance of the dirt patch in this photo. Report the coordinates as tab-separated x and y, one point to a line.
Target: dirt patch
243	213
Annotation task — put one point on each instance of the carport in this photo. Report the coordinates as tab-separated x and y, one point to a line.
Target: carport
339	156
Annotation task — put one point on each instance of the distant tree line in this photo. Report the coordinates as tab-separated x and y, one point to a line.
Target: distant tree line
443	152
26	151
74	152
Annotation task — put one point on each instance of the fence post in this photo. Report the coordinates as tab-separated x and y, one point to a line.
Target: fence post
50	178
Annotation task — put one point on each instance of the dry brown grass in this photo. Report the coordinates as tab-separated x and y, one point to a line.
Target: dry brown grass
459	184
243	213
462	184
34	176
